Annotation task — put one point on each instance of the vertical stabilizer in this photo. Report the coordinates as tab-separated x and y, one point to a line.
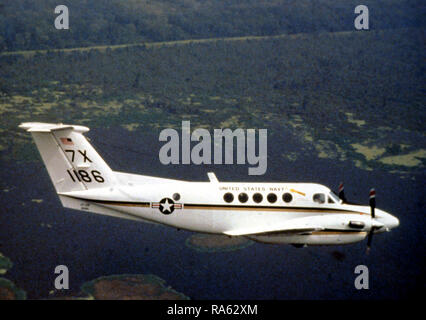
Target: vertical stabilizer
73	164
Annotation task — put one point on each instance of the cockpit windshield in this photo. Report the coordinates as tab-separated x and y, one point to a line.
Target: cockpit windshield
334	197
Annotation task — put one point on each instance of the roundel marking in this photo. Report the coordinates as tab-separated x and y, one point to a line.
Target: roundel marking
167	206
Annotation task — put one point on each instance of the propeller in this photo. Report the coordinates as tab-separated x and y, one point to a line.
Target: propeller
373	215
342	192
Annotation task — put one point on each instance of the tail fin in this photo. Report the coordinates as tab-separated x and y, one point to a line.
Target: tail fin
73	164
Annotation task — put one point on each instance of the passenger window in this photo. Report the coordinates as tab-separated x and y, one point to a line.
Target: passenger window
287	197
272	197
257	197
176	196
319	197
243	197
228	197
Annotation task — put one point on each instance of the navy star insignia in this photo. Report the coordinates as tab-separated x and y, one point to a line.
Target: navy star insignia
166	205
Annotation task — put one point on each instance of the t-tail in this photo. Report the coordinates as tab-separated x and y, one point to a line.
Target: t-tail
82	179
73	164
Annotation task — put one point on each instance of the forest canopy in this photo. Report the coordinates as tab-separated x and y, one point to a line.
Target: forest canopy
29	25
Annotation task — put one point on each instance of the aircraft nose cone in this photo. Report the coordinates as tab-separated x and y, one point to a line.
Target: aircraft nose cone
390	221
393	222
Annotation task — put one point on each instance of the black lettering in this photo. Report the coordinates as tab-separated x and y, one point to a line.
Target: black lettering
71	176
76	174
85	176
84	155
73	153
97	176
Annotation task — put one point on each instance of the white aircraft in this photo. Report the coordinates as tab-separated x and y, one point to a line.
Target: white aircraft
293	213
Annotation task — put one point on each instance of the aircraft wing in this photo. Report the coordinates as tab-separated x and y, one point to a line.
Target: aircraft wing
300	225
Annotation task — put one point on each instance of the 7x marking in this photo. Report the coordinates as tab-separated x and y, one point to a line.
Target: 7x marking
83	153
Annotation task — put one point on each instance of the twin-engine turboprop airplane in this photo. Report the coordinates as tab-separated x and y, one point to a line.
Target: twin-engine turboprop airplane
293	213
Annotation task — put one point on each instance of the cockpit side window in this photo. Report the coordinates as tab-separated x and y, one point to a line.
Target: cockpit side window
330	200
319	197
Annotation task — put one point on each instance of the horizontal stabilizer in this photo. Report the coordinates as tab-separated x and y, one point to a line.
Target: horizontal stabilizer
49	127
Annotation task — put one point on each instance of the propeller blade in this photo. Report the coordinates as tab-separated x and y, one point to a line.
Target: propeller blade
370	240
373	215
372	202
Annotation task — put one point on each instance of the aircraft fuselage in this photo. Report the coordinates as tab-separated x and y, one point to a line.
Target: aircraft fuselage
207	207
